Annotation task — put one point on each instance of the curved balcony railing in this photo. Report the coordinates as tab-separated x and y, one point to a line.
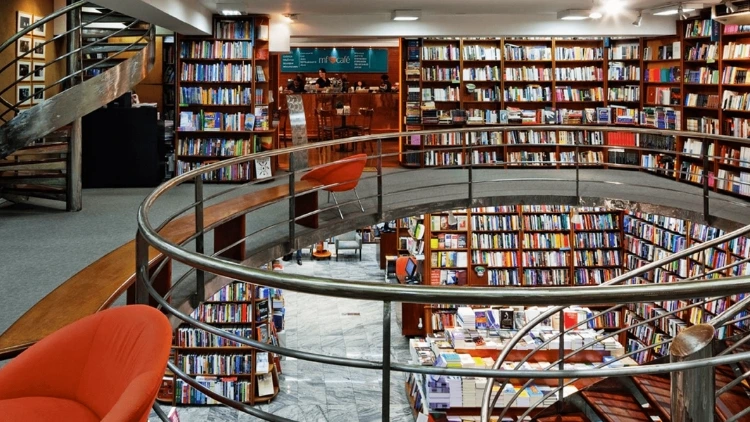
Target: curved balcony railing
467	185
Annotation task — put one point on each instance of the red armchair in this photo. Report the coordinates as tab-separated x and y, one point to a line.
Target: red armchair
340	176
105	367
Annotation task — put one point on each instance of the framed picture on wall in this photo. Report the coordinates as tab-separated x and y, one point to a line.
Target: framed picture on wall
38	94
23	70
24	45
38	72
24	20
39	49
41	31
23	94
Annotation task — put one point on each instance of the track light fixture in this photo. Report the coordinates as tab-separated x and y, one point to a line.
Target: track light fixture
729	5
639	19
681	12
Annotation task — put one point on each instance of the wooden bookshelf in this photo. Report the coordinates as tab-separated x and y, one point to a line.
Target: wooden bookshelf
222	83
683	81
227	368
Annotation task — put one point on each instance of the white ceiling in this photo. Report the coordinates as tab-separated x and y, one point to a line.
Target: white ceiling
428	7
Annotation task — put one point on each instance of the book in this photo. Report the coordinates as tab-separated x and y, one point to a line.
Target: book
265	384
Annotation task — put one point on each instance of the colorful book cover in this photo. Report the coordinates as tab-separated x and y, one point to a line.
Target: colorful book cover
211	121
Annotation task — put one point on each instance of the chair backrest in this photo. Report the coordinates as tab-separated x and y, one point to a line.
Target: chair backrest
112	362
401	262
367	113
349	236
344	174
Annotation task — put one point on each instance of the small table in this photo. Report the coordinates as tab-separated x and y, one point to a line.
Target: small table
321	252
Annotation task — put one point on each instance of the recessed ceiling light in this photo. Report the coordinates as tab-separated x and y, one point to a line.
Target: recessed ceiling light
595	15
406	15
573	14
231	12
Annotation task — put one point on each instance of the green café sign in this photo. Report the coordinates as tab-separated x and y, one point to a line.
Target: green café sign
336	60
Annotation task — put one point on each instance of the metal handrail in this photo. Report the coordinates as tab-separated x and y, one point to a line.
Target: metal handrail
467	295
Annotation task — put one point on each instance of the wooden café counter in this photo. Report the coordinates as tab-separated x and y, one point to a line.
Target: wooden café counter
385	107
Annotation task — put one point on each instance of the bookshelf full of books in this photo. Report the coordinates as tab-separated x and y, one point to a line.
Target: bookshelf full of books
223	99
240	372
543	245
695	80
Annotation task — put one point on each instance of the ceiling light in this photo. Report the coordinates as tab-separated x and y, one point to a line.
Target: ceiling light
613	7
291	17
231	12
639	19
406	15
573	14
595	15
675	9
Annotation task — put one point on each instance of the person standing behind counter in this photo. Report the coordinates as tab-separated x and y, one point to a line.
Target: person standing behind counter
323	81
385	85
296	86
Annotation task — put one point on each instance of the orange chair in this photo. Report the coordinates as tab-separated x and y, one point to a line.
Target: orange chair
340	176
401	262
104	367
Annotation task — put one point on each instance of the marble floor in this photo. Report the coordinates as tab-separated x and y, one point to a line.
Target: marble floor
338	327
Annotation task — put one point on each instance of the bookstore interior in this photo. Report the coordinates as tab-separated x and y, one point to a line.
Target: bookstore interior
692	80
224	96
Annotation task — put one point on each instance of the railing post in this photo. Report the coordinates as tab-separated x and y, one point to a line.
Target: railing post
292	210
470	160
386	398
704	153
692	390
73	195
141	269
578	178
380	179
561	356
200	276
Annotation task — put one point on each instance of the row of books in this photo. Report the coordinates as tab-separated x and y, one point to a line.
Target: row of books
596	258
486	73
619	71
734	50
228	387
219	364
232	29
217	72
663	52
624	52
703	125
233	173
438	73
479	52
516	52
441	94
215	121
702	51
734	75
578	53
528	74
732	100
448	241
215	96
586	73
704	76
219	147
699	28
216	50
664	74
567	93
629	93
448	52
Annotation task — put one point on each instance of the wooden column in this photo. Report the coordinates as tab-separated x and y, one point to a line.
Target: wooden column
693	390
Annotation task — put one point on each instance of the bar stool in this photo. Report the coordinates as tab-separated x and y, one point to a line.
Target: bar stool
327	131
365	128
283	125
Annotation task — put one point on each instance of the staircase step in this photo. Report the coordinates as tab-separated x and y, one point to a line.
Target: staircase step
615	406
102	32
656	389
94	63
36	192
113	48
89	17
53	164
56	148
577	417
53	180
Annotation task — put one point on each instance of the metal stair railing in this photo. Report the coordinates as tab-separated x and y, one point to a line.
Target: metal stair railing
695	288
77	97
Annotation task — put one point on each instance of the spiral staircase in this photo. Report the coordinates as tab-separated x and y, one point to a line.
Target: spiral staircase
105	54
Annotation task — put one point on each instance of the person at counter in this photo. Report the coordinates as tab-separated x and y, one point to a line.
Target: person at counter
296	86
385	85
360	85
323	81
344	83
